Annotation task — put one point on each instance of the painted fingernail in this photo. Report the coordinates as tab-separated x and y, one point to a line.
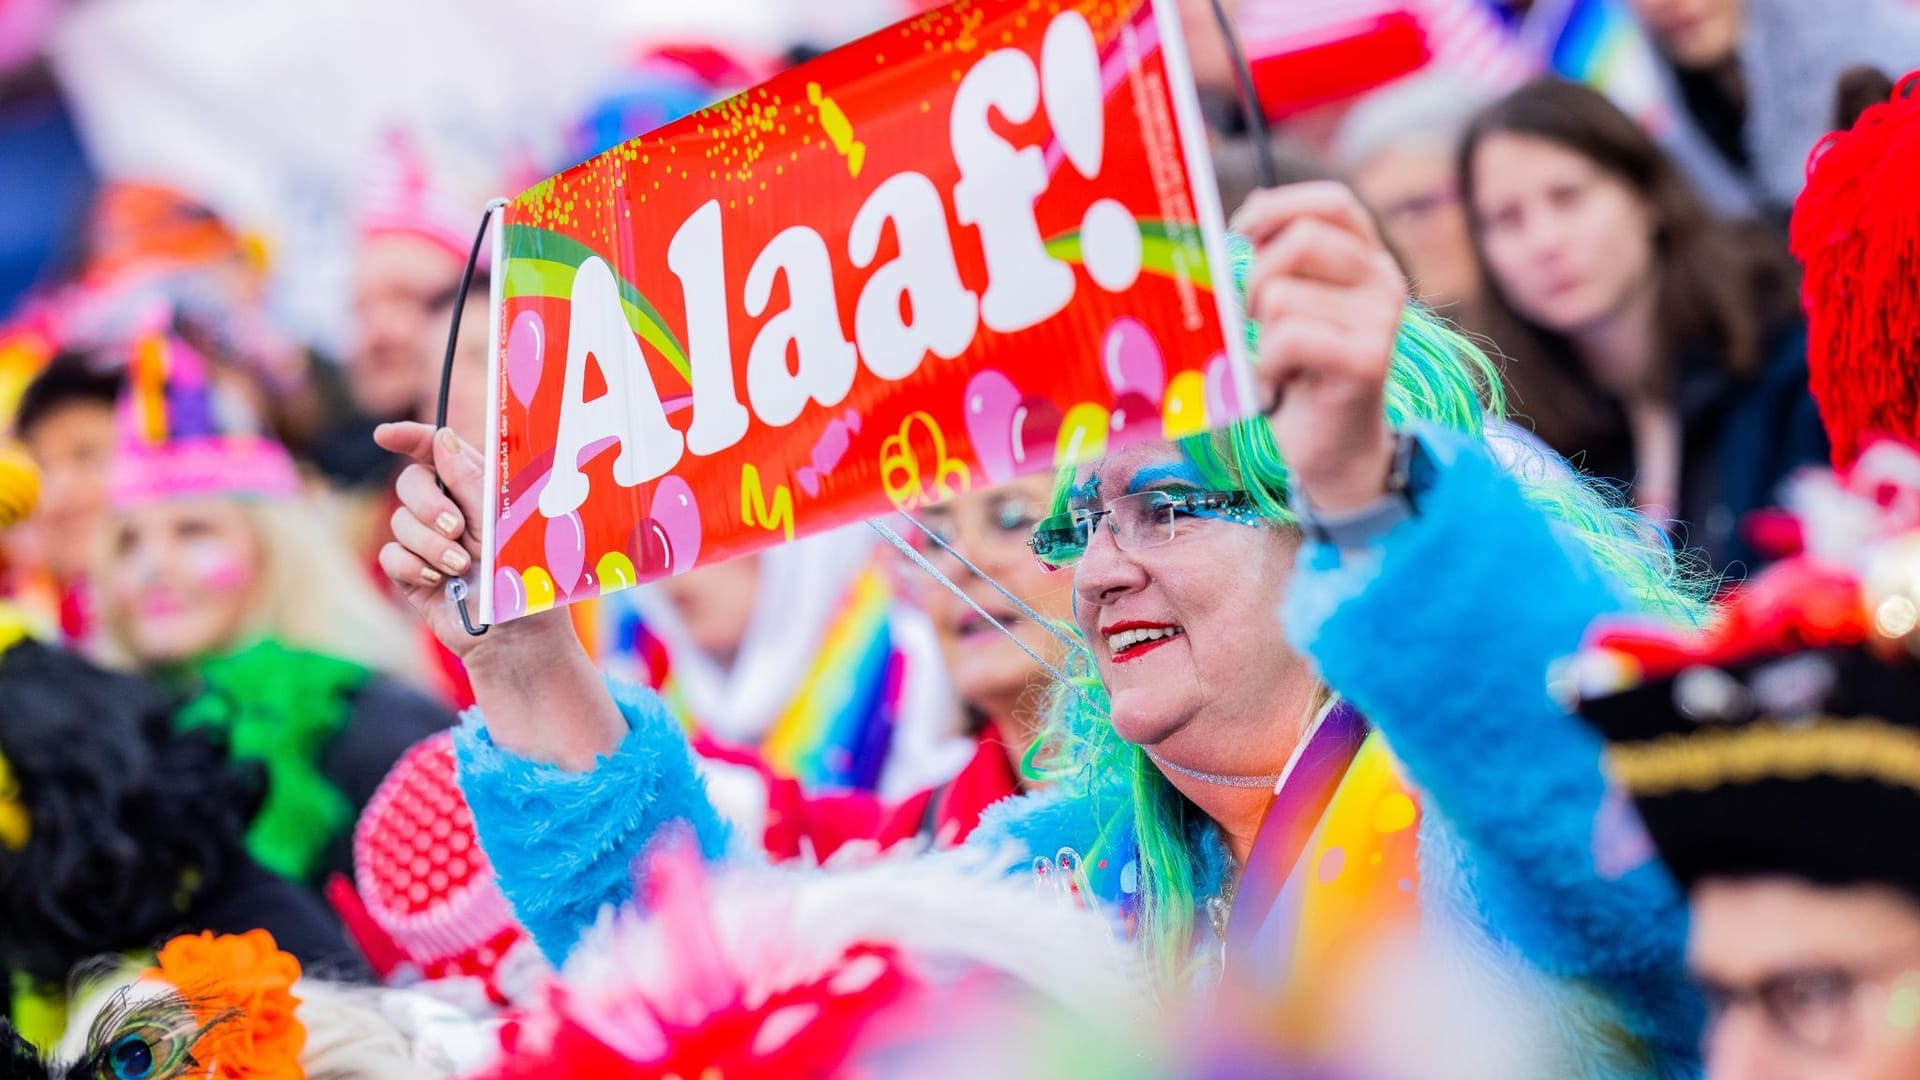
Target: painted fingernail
448	523
431	576
449	440
456	560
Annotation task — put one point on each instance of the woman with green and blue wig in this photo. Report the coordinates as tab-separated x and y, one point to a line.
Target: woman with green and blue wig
1290	736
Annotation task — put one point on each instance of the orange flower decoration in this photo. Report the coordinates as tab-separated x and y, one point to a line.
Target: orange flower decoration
249	976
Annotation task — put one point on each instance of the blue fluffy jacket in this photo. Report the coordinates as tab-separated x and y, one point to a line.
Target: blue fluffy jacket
1442	633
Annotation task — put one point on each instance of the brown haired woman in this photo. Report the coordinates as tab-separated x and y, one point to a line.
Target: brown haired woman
1651	343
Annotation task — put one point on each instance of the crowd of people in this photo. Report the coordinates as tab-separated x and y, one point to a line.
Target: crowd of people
1531	690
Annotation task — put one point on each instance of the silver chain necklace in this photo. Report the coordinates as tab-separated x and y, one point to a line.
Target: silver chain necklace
1268	781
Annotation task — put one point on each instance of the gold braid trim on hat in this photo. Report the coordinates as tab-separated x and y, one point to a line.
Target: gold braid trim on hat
1857	749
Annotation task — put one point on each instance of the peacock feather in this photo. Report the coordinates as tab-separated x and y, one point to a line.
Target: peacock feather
147	1037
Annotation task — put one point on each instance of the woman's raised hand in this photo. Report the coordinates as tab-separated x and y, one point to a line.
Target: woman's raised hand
436	535
539	691
1328	297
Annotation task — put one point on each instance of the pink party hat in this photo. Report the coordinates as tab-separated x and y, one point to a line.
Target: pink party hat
181	437
401	195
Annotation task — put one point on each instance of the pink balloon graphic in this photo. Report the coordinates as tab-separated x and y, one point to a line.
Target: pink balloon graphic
1223	394
566	550
526	355
990	401
509	595
1135	420
1131	358
652	555
1035	433
677	513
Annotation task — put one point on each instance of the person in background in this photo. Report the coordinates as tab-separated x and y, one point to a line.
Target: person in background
64	419
1758	77
212	573
1650	343
65	422
803	657
1001	690
414	237
1398	146
1772	760
1773	764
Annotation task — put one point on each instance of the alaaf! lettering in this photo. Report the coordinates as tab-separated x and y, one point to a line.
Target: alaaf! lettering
998	187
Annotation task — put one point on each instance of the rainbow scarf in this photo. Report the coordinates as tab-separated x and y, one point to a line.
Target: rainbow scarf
1334	871
836	729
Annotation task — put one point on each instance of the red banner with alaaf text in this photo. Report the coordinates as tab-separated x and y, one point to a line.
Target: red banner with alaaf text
981	243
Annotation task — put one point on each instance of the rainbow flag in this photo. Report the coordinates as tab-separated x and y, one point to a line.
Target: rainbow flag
837	728
839	725
1597	42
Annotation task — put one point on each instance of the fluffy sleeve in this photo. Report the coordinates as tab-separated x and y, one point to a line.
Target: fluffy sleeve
1443	633
564	844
